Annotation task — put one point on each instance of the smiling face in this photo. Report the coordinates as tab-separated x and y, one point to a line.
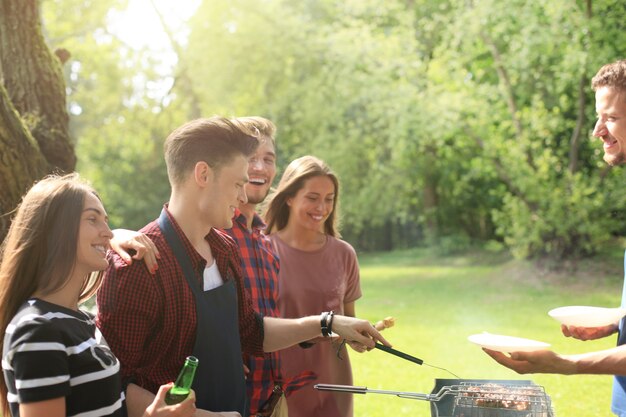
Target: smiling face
312	204
93	237
261	172
611	124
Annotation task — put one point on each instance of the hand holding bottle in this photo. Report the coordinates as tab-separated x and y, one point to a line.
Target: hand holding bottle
159	408
182	386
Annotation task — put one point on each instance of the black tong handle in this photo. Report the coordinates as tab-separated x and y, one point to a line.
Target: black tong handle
399	354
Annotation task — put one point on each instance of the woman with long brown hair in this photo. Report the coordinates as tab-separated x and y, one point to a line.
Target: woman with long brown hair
55	361
318	272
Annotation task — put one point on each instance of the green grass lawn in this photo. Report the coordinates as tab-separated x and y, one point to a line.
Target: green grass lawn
439	302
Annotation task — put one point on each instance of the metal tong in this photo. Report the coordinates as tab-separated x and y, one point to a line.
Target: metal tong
399	354
364	390
410	358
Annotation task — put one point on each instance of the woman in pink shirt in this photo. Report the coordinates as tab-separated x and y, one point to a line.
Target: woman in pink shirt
318	272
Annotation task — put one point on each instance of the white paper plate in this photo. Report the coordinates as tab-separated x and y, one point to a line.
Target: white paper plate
506	343
586	316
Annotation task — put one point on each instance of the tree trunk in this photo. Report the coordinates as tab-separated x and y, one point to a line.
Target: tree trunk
21	161
34	124
34	81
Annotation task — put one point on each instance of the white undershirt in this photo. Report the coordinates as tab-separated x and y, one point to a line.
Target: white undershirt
211	277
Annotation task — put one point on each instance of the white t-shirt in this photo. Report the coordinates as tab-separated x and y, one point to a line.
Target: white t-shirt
211	278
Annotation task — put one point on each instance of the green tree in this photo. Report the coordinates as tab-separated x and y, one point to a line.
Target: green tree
465	119
120	101
527	67
34	125
449	122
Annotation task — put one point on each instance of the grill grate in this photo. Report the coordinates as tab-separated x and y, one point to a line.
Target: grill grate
500	400
472	397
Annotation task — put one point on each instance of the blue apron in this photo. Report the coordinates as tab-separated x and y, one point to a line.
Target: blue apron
220	382
618	404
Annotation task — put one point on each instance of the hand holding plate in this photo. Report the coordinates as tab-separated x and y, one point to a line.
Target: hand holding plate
540	361
588	333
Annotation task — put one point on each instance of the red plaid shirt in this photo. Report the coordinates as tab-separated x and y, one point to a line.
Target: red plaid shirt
149	320
260	271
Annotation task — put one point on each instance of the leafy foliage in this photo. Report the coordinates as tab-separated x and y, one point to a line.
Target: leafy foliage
117	117
448	122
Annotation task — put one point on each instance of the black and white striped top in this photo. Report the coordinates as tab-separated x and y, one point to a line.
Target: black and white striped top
51	351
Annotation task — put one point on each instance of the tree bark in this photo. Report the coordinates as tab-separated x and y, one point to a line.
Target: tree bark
34	124
21	162
33	78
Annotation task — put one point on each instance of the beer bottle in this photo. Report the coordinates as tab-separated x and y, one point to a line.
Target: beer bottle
182	386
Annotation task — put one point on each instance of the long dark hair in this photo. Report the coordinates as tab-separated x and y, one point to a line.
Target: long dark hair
292	181
39	251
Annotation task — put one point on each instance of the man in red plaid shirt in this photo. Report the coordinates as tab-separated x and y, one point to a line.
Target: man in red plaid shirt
153	321
260	265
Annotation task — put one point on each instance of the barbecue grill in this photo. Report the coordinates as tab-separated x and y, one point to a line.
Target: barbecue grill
472	397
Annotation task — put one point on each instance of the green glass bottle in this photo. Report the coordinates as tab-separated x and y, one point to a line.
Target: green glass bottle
182	386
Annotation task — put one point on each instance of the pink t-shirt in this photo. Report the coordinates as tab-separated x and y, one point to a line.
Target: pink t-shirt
310	283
